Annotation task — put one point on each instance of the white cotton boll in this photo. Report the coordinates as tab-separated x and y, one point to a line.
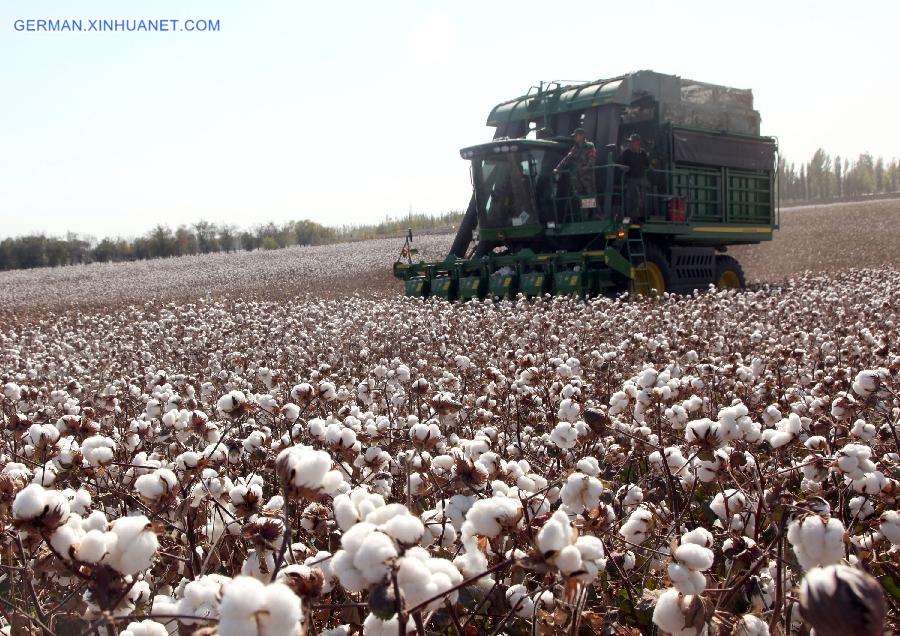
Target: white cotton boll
863	431
12	391
97	450
282	612
890	526
581	492
702	431
816	540
374	626
669	614
152	486
405	529
145	628
589	466
870	483
259	569
421	577
750	625
568	560
630	495
555	534
686	580
274	505
865	383
860	507
564	435
698	536
374	556
488	517
569	410
16	470
95	545
231	403
637	527
519	601
34	500
303	466
694	556
727	503
135	545
249	607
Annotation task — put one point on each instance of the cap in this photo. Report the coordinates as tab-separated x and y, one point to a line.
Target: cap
578	131
634	137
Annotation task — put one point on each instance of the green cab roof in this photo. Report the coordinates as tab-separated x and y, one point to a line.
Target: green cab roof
518	143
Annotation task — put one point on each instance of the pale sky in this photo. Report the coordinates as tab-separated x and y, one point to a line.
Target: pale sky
343	112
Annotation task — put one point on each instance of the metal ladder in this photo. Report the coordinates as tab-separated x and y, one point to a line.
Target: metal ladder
637	256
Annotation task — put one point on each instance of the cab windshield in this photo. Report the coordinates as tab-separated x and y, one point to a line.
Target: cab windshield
511	188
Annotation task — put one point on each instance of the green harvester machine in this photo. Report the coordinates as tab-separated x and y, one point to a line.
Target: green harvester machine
712	184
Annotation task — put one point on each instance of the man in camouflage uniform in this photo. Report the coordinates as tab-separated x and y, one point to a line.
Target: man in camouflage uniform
581	162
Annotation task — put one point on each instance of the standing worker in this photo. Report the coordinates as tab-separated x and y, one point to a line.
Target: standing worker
636	162
581	158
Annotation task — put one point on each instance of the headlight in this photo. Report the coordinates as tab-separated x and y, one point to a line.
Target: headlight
504	148
496	148
513	148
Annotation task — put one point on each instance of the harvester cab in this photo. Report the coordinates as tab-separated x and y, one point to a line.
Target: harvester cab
514	187
530	231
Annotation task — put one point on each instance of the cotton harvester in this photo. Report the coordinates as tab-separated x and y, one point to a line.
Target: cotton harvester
529	230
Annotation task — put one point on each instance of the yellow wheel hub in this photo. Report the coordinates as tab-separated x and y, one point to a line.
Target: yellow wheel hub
650	274
729	280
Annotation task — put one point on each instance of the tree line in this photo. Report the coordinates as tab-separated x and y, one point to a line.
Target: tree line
825	178
41	250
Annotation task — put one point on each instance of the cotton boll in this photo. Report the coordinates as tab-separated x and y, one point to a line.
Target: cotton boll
564	435
374	626
890	526
145	628
568	560
750	625
249	607
135	545
637	528
686	580
670	611
694	556
405	529
519	601
698	536
816	540
95	545
488	517
581	492
555	534
98	450
421	577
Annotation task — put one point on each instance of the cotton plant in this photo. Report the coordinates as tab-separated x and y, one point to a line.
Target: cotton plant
528	452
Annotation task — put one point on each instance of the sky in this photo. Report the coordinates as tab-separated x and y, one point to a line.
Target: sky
345	112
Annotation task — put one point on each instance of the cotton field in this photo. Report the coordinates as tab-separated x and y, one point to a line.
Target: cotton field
725	463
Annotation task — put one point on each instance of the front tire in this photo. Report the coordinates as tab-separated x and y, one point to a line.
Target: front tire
657	270
729	274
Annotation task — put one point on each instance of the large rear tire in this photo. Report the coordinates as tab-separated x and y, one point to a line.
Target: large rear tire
729	274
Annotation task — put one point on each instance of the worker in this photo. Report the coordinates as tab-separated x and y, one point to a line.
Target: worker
636	162
581	161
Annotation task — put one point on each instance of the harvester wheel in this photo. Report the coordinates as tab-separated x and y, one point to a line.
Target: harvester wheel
729	274
658	274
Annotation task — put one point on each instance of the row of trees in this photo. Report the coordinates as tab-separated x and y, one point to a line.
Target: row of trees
40	250
826	178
